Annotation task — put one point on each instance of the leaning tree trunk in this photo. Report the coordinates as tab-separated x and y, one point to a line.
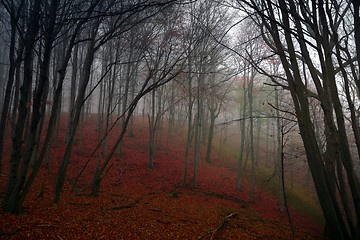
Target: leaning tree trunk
298	92
77	112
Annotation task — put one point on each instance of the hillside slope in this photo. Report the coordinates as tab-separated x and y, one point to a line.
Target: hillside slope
136	202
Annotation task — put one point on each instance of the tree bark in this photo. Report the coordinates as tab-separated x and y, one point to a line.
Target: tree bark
13	64
16	176
86	71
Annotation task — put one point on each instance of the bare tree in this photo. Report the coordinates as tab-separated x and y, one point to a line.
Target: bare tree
16	177
14	12
305	36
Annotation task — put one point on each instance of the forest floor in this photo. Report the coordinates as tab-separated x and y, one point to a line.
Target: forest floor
136	202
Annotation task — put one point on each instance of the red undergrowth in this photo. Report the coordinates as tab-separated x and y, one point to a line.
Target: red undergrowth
136	202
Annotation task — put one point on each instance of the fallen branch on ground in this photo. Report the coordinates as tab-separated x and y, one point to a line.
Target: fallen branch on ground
119	195
154	210
59	237
131	205
135	202
79	204
46	226
221	225
222	196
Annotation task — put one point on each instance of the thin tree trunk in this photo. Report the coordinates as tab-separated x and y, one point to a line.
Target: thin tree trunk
210	136
279	153
197	139
78	109
152	131
242	140
125	96
252	151
189	128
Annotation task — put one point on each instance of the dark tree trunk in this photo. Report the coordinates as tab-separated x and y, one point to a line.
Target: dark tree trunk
15	178
77	112
14	63
210	136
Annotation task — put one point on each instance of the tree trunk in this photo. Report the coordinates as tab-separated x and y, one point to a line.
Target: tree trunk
210	136
252	151
13	65
16	177
242	140
279	152
189	128
72	89
77	112
198	126
152	131
129	75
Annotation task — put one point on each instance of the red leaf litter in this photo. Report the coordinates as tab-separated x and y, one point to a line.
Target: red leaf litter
136	202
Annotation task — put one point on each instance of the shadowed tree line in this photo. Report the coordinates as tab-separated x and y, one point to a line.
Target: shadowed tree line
44	36
75	56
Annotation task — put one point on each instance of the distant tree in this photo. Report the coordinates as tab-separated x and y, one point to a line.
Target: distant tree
242	112
160	52
190	40
209	21
252	51
216	100
161	67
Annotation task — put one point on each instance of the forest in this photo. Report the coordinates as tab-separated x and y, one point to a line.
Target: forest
179	119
